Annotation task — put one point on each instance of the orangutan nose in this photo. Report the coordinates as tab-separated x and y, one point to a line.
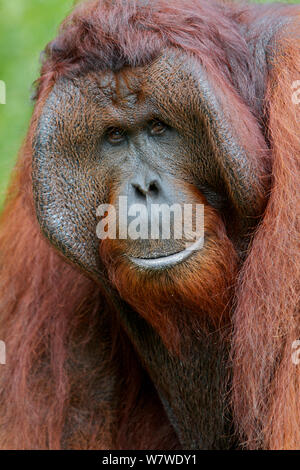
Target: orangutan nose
147	187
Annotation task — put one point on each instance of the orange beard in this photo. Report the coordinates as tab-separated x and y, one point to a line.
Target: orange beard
194	296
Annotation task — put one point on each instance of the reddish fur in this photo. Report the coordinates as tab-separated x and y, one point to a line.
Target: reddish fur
266	387
202	287
45	302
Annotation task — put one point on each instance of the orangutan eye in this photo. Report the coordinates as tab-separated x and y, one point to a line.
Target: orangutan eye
157	127
115	135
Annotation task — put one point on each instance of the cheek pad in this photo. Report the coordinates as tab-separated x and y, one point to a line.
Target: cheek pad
66	189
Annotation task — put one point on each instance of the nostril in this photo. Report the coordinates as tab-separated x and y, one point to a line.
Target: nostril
145	188
153	187
139	190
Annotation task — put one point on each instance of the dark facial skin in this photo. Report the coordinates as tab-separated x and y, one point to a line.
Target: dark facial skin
101	134
141	134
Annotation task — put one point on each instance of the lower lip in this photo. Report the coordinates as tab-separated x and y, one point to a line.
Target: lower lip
168	261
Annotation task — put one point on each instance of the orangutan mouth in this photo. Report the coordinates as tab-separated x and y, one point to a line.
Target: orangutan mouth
170	260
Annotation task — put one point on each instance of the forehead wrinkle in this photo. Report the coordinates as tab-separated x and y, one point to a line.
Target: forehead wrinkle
126	115
123	97
121	87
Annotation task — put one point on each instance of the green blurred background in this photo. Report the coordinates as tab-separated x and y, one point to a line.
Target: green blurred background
26	26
